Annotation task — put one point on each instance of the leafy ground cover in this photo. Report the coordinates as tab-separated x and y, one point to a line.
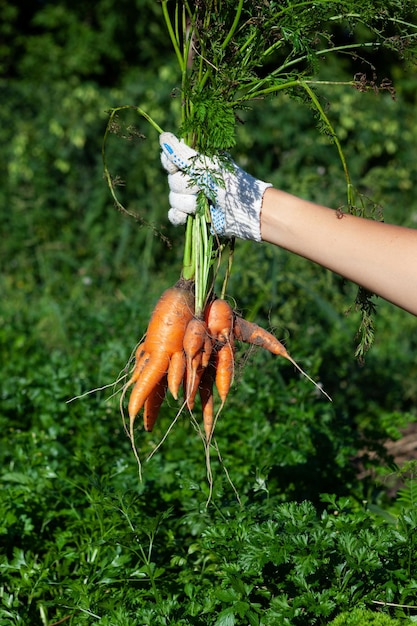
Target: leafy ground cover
325	529
82	540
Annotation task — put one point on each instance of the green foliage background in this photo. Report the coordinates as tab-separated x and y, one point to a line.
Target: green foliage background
319	530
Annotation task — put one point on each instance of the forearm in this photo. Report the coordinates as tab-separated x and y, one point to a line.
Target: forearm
380	257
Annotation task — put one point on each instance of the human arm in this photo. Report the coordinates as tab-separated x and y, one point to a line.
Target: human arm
378	256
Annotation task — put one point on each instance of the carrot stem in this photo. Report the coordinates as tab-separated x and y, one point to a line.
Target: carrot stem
173	36
188	269
110	123
325	119
234	25
229	268
203	246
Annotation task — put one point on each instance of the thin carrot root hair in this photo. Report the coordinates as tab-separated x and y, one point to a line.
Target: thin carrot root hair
137	457
102	388
207	444
319	387
128	431
226	471
123	374
213	444
170	427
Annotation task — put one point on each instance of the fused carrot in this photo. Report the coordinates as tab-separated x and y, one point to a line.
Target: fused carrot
164	337
169	320
141	359
151	375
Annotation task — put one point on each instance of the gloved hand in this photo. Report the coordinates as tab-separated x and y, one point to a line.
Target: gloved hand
235	196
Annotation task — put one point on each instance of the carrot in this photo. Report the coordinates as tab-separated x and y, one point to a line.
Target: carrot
169	320
153	403
150	377
164	337
176	370
194	338
249	332
224	361
140	352
191	386
141	359
207	399
193	344
219	318
207	350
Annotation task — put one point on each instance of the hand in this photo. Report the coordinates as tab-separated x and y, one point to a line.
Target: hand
235	197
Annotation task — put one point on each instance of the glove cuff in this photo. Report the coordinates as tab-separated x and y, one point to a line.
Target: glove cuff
243	209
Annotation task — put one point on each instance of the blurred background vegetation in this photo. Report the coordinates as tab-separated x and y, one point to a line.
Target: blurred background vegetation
79	279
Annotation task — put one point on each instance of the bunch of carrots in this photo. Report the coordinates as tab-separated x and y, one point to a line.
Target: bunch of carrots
195	352
189	345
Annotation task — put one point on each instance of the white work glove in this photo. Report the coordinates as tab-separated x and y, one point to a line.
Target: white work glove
235	197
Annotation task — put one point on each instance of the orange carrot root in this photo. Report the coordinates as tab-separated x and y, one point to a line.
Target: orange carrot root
207	350
193	344
192	384
153	403
249	332
151	375
164	338
219	318
141	359
176	372
207	399
194	337
225	368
